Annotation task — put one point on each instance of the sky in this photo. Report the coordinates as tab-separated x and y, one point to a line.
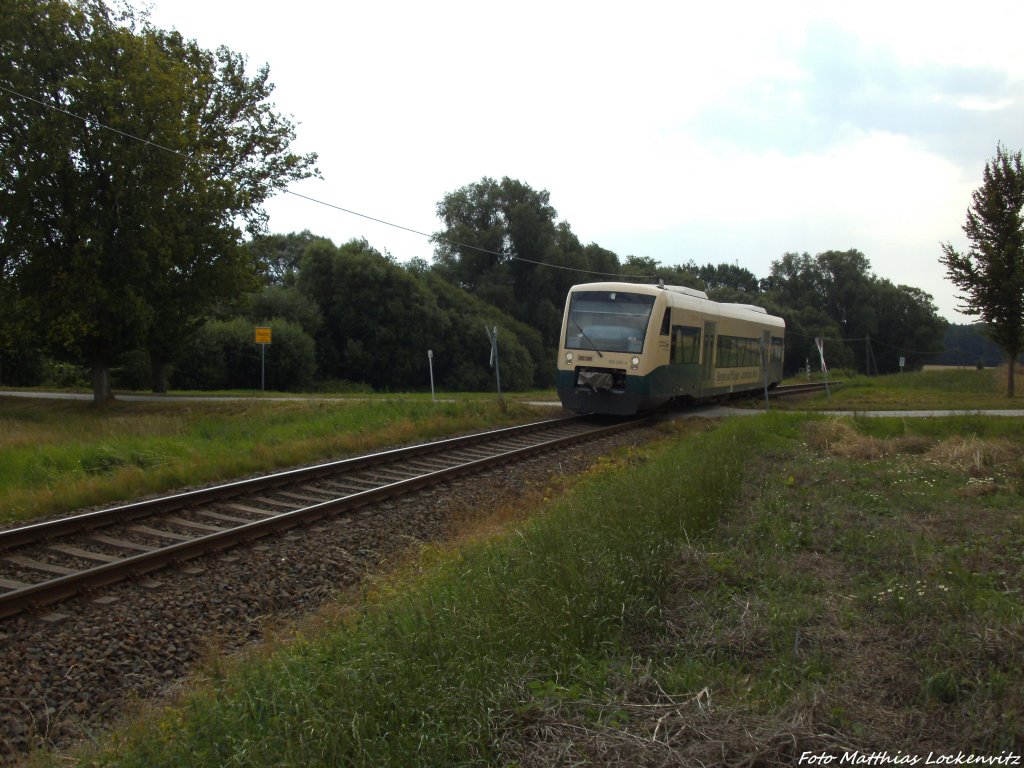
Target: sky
707	132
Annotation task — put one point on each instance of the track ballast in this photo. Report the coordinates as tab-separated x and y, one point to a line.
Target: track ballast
47	562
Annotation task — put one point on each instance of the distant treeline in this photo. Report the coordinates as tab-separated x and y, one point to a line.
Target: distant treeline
969	345
351	318
125	264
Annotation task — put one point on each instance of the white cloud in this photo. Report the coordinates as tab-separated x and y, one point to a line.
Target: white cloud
667	129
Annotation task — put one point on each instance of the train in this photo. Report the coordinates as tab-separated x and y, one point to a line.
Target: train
627	348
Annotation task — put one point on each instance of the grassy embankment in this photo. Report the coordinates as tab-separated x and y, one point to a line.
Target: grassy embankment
59	456
777	584
954	389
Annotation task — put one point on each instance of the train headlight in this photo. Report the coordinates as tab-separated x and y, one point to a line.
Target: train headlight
635	362
568	358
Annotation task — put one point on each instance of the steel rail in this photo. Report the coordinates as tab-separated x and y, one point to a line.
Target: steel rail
18	537
799	389
37	595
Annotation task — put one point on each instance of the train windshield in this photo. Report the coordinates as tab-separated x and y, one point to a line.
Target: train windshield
608	321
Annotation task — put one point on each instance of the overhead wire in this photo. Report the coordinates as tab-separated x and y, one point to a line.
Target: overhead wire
435	238
872	340
385	222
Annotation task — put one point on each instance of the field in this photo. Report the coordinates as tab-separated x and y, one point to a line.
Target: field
769	588
951	389
57	456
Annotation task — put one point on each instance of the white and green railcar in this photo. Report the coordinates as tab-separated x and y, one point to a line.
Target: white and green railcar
627	348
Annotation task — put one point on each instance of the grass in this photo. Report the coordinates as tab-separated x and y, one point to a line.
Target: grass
59	456
777	584
938	390
442	656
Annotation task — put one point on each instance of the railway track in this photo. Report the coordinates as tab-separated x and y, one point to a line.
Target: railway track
801	389
47	562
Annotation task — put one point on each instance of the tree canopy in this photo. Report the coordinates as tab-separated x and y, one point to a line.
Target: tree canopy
503	244
868	322
130	160
991	273
352	317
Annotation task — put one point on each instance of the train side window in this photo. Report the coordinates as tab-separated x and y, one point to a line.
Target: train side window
685	344
743	352
778	349
725	357
665	321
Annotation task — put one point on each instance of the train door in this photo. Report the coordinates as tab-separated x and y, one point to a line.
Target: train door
708	355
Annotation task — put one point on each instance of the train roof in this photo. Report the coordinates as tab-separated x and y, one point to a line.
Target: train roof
689	298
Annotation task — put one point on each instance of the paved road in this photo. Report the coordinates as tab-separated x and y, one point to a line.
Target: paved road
134	398
208	398
709	411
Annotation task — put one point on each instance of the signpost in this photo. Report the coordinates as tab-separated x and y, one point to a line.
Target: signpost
263	337
494	355
430	362
820	344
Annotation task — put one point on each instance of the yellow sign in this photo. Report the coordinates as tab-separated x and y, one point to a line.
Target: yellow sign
263	335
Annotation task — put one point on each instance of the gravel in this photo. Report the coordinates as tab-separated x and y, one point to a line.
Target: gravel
78	668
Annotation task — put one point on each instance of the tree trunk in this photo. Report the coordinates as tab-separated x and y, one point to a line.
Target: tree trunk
158	373
101	392
1014	354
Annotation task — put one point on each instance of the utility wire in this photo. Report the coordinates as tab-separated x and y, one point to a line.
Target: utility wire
874	340
911	351
447	241
308	198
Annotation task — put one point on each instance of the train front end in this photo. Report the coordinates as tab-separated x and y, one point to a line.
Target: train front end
608	348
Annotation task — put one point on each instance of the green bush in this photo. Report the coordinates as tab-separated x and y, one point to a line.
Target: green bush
132	372
21	366
66	376
224	355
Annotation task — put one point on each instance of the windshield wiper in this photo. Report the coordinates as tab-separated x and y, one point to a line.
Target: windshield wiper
584	335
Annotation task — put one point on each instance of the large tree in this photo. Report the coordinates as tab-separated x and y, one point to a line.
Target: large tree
834	295
991	273
130	159
502	243
379	320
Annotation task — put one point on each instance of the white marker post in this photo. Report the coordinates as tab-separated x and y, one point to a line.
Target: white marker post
820	344
494	356
430	362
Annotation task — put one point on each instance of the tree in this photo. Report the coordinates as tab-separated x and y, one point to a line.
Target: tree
834	295
110	242
846	285
222	355
378	318
909	326
644	269
279	256
288	303
991	273
70	242
726	276
501	243
462	352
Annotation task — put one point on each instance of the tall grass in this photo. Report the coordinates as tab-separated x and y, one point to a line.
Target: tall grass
59	456
940	390
423	673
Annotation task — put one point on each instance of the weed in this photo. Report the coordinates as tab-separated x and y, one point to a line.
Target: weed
59	456
736	597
